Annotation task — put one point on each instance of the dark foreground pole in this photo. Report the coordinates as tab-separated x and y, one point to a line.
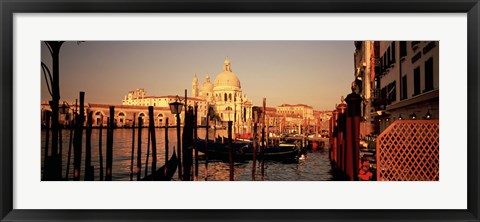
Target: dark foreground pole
187	144
69	148
100	151
77	145
47	139
255	144
206	146
353	134
139	148
341	122
166	146
179	149
88	149
195	141
264	110
133	148
151	125
230	150
109	153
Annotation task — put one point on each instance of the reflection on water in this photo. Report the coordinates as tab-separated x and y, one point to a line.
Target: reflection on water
315	167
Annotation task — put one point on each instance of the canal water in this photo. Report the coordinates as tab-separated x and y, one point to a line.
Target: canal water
315	167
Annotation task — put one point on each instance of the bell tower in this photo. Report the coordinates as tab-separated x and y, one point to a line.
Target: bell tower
195	86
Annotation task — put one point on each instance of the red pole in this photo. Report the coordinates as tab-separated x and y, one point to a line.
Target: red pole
341	121
353	134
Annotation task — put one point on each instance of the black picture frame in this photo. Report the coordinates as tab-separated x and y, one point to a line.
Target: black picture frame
9	7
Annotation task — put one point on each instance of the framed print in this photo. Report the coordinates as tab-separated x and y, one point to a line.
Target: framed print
264	110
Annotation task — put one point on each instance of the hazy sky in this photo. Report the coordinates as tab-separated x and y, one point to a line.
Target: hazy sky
316	73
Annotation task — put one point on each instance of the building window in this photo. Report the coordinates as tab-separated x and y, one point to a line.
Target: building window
403	49
392	92
385	65
388	57
416	81
393	52
225	97
404	88
429	75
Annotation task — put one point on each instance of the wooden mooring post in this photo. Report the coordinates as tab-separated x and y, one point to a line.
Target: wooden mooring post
263	137
100	151
72	126
353	134
166	146
206	146
230	150
47	140
188	144
139	148
77	145
148	152
341	122
109	152
153	139
69	154
255	144
88	149
133	148
195	135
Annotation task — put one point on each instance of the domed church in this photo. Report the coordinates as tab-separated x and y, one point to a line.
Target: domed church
227	98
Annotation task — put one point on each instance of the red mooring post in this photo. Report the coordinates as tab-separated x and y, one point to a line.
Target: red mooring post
333	137
341	121
353	134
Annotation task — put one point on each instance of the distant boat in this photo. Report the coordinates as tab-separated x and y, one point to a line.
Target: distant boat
159	175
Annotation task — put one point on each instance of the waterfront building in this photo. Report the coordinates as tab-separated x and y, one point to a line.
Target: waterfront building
364	71
124	114
406	82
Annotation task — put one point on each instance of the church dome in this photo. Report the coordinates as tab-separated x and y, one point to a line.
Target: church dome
227	78
207	86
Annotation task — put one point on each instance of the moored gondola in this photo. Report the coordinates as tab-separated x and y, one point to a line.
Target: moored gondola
220	151
160	175
243	150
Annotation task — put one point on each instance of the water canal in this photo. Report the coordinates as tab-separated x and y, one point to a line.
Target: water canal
315	167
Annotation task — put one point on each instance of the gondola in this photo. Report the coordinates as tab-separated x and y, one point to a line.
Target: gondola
282	152
159	174
219	151
244	151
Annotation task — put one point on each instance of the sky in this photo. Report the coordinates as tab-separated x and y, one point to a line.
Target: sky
316	73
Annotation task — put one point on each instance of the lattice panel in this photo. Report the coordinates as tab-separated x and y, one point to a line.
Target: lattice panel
408	150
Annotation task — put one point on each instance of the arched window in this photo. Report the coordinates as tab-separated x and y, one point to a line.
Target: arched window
225	97
230	97
160	118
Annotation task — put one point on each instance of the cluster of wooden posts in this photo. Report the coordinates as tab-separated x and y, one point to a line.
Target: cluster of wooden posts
188	163
52	168
345	138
